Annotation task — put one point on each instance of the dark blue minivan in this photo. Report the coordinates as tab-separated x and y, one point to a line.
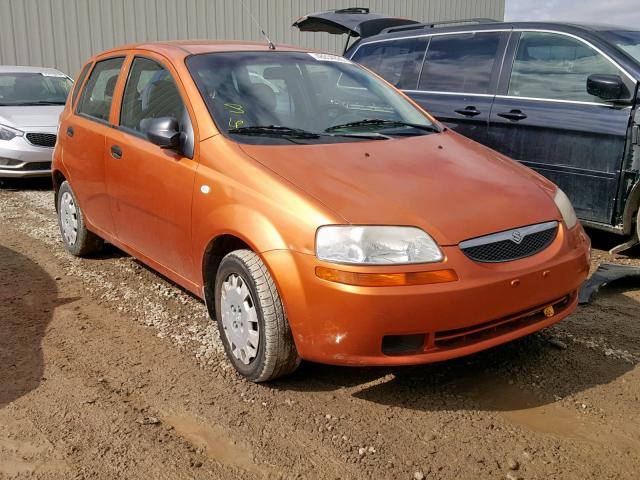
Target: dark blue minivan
560	98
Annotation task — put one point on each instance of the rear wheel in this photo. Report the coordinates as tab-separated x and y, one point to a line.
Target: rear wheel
251	319
76	238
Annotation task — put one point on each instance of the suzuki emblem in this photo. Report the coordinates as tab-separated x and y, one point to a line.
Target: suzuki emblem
516	236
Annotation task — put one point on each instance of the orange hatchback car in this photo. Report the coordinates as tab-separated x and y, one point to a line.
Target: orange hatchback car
319	212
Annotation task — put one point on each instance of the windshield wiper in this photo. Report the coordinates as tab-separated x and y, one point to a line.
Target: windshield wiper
274	130
384	123
292	133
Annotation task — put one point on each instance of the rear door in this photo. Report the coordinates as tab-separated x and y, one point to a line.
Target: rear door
545	118
83	138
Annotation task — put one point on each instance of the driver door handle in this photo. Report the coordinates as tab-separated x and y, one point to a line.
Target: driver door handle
515	115
469	111
116	152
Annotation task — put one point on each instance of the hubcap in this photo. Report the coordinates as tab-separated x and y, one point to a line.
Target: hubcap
239	318
69	218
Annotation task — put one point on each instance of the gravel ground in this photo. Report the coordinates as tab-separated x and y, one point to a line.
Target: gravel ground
107	370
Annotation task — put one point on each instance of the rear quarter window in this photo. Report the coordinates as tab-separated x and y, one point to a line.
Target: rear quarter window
79	81
397	61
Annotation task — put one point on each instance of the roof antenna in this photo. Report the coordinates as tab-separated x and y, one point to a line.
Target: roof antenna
271	45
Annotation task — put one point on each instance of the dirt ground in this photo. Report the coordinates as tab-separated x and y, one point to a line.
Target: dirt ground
109	371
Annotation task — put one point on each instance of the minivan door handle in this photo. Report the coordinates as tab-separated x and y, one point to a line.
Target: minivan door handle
116	152
515	115
70	132
469	111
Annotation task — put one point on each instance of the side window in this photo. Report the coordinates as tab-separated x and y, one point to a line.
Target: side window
397	61
554	66
97	95
150	93
78	84
461	63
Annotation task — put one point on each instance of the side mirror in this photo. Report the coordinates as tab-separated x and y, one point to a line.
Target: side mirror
607	87
163	131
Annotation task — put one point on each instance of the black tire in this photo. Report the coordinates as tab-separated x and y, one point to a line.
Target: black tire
276	353
85	242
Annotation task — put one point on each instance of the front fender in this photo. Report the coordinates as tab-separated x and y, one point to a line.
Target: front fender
249	225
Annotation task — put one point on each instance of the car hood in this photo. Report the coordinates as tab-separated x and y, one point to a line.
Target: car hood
452	187
32	116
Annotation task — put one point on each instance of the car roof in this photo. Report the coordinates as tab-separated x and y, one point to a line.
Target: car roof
25	69
184	48
417	30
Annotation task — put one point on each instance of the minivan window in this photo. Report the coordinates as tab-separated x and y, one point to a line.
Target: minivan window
397	61
33	88
628	41
272	97
460	63
150	92
556	67
97	95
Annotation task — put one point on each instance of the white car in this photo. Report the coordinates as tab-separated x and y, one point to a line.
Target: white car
31	100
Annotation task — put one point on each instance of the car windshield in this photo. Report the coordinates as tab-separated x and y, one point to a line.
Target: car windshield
629	41
274	97
28	88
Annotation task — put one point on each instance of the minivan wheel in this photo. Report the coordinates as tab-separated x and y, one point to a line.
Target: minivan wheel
76	238
251	319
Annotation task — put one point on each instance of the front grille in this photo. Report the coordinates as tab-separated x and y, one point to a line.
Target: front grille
47	140
461	337
457	338
512	244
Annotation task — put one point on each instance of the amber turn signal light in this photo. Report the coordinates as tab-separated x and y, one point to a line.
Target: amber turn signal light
386	279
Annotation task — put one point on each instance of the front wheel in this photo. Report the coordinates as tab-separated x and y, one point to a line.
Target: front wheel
76	238
251	319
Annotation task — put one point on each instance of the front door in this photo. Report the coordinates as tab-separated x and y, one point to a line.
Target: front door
151	188
545	118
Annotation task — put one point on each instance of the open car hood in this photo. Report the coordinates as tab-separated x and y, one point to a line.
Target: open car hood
357	22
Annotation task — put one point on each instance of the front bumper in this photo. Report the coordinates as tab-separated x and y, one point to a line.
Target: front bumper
489	305
26	159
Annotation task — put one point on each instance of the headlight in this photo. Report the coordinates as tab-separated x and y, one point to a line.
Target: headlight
566	209
8	133
375	245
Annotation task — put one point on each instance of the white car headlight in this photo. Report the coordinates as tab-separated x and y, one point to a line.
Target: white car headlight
566	209
371	245
8	133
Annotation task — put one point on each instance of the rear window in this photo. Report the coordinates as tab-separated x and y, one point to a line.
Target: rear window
397	61
33	88
460	63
